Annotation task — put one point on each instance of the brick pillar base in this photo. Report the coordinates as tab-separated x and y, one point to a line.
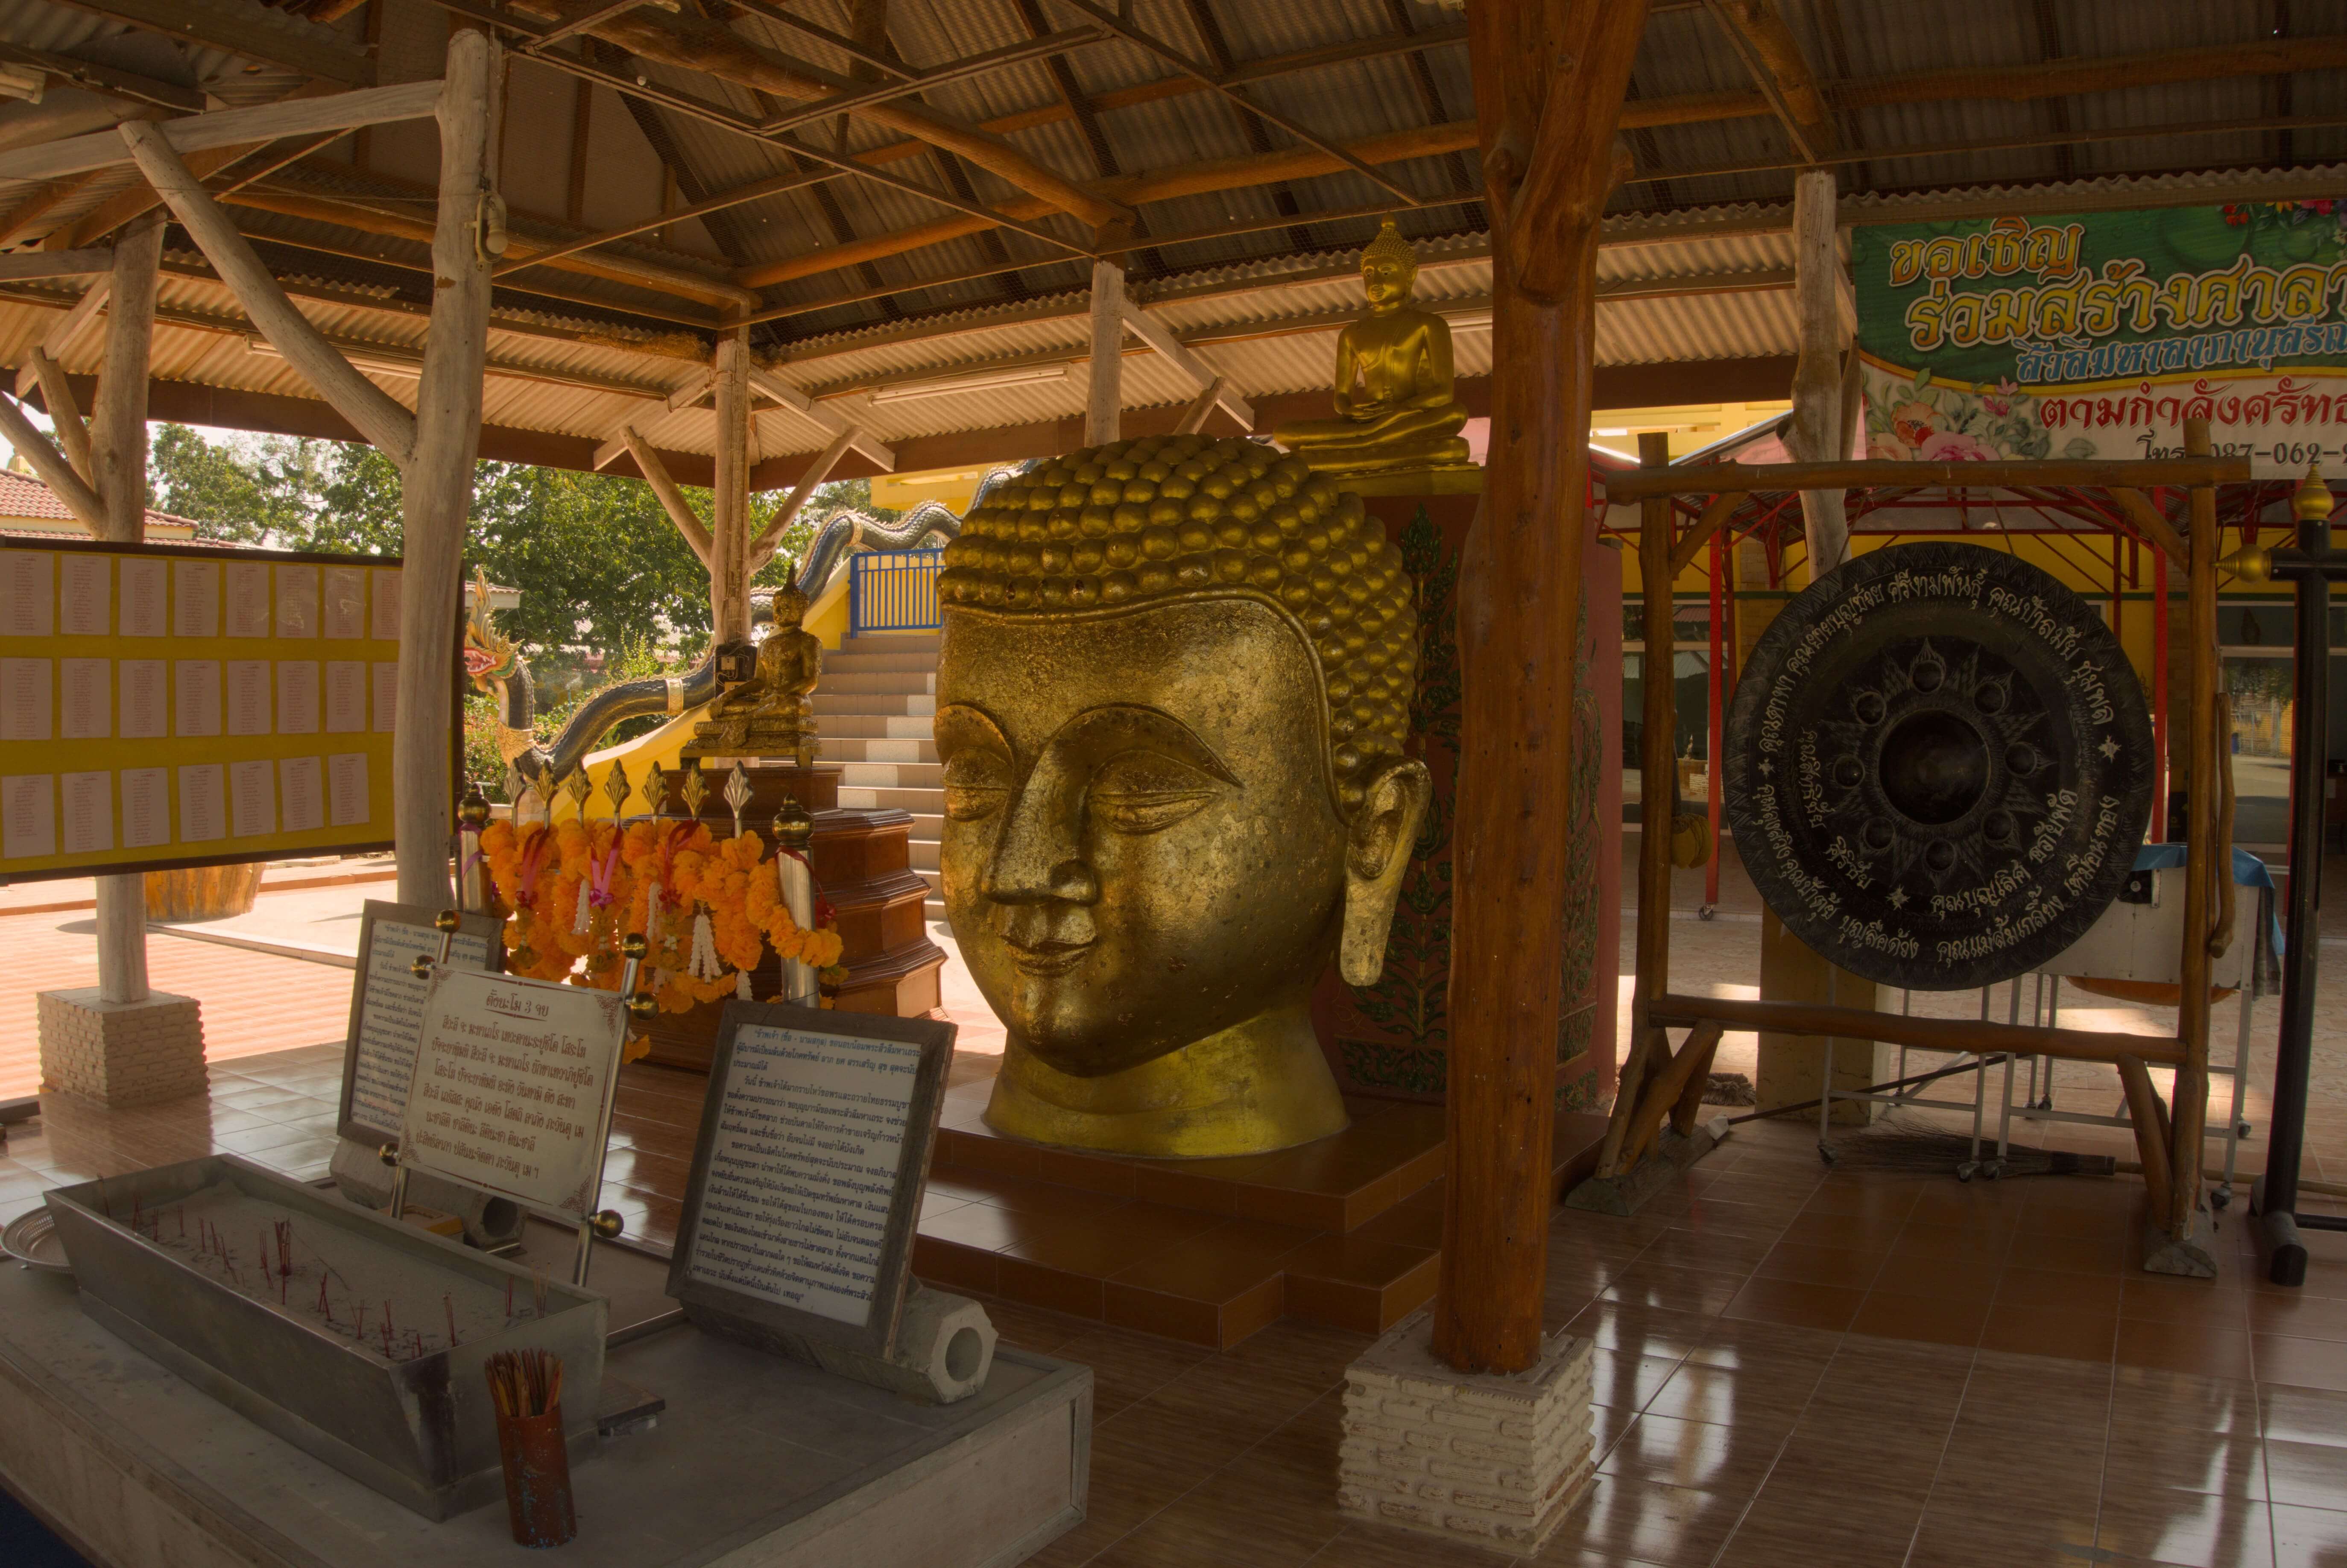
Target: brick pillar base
1486	1460
122	1054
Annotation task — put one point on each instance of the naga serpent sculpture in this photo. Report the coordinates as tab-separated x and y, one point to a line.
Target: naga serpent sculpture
498	667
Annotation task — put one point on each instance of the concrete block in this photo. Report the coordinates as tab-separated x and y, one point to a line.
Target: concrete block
122	1054
1494	1462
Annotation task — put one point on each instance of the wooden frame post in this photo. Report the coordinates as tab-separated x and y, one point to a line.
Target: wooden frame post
1649	1050
1550	76
436	494
116	443
729	553
1104	397
2189	1109
1817	424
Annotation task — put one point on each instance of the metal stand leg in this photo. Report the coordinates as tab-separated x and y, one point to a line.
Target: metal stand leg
1826	1086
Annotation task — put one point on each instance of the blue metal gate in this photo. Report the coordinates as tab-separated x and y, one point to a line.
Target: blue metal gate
894	590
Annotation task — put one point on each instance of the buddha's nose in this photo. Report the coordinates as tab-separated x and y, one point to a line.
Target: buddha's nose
1039	859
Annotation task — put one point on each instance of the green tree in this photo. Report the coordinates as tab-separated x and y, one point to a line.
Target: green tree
271	496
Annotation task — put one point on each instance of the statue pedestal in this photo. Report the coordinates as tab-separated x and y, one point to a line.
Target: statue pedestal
863	863
1392	1039
1346	1232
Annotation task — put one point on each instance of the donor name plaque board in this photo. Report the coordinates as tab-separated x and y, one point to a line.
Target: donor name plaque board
806	1182
388	1007
512	1089
182	706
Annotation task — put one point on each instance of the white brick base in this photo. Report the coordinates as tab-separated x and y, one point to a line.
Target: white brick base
122	1054
1487	1461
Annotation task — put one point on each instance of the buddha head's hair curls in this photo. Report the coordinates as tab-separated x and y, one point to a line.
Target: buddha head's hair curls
1177	518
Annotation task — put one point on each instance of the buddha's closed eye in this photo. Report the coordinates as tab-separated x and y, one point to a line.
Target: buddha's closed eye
976	782
1138	791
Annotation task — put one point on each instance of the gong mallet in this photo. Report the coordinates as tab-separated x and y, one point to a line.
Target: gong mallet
2311	567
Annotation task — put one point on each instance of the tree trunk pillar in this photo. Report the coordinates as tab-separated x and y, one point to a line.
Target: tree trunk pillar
437	491
118	474
1550	76
729	556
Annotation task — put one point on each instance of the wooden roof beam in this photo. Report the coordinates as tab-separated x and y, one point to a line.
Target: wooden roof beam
228	127
1755	29
675	281
770	386
390	427
1202	376
241	28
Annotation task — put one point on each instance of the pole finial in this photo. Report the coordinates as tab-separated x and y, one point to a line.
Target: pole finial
2313	501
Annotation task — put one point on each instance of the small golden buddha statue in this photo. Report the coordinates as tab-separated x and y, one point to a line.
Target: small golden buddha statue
771	714
1172	699
1394	381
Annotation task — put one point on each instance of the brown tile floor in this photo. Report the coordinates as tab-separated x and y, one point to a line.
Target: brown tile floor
1794	1368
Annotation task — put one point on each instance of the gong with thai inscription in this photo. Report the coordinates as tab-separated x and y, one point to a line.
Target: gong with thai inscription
1938	767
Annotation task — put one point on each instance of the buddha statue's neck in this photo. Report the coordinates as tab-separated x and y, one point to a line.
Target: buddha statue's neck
1256	1086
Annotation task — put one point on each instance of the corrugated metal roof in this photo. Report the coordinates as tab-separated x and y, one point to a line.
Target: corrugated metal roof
1262	304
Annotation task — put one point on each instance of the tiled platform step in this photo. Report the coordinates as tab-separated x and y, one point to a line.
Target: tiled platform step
1344	1233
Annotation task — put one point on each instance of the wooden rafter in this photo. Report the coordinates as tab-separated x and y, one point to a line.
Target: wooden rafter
1235	93
711	50
726	119
1155	185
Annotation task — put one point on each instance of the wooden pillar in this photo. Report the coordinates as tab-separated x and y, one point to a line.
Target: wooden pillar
1549	77
436	495
729	556
2190	1112
1817	424
118	441
1104	399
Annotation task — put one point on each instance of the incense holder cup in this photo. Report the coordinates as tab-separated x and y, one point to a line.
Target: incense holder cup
536	1462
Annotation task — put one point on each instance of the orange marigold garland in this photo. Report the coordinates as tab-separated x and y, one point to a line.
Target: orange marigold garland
708	908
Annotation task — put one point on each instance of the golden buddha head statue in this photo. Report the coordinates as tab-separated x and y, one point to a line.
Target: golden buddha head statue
1172	706
1389	267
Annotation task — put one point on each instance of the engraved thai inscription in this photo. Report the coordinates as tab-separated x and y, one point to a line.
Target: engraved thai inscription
1939	763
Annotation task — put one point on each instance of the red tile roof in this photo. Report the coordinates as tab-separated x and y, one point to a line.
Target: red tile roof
22	496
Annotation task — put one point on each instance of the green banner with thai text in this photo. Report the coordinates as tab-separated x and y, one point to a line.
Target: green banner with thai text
2098	334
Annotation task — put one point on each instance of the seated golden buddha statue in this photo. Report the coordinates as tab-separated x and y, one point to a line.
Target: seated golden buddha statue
1172	700
770	715
1394	383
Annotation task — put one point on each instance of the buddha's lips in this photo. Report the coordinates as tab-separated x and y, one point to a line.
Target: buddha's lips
1047	958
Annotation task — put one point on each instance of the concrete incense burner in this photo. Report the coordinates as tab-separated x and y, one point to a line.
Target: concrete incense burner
360	1340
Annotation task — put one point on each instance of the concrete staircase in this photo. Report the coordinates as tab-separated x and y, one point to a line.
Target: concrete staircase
875	707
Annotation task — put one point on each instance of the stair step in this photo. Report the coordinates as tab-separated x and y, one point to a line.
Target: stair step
928	827
888	682
846	663
868	705
924	854
880	726
925	804
892	775
892	642
869	749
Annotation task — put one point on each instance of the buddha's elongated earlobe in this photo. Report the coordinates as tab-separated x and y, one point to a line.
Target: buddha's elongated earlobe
1376	852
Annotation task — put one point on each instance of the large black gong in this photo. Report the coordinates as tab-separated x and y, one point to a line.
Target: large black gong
1938	766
